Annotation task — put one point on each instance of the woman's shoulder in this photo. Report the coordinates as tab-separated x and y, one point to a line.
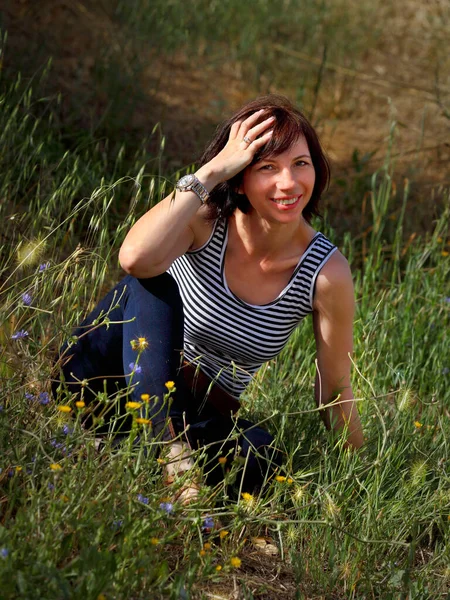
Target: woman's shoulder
334	282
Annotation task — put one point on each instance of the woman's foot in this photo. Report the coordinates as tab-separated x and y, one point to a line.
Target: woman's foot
178	464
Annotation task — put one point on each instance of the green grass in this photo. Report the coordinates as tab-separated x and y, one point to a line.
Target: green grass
371	524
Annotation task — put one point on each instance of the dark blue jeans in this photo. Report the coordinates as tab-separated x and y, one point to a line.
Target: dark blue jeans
103	355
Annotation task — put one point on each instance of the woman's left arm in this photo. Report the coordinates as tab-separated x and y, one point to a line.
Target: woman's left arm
334	307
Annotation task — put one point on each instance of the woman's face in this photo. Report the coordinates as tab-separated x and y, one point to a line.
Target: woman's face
279	187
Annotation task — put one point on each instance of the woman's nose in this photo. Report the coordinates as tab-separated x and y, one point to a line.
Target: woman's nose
286	180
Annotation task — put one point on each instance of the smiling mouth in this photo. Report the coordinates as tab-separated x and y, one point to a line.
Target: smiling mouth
286	201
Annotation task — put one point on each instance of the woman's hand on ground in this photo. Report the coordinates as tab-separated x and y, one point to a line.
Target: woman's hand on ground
238	153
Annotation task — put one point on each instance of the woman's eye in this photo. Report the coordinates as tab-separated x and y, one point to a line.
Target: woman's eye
301	163
265	168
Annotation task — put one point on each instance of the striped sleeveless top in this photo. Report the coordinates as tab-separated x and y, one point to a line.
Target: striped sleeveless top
228	338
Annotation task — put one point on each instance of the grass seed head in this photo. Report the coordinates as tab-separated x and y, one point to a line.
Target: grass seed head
31	253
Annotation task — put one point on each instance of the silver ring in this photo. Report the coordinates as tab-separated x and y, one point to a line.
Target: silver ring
247	140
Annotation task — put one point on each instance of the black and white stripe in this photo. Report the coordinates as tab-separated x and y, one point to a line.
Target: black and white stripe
227	336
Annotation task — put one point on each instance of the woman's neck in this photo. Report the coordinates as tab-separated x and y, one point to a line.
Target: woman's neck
264	240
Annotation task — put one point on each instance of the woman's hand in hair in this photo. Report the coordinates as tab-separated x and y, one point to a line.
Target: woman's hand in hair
238	153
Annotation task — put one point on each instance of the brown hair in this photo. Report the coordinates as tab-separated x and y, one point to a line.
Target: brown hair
290	124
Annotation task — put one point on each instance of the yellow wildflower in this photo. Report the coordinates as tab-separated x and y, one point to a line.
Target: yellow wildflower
235	561
145	397
222	460
170	385
161	461
133	405
80	404
247	497
134	344
64	408
223	534
418	424
64	498
206	546
280	478
290	480
142	343
445	253
143	421
154	541
218	568
439	240
55	467
202	553
18	468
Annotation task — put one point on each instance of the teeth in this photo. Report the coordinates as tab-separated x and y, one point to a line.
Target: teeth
284	202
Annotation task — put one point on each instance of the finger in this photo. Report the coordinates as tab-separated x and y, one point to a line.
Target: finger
256	131
259	142
234	130
249	121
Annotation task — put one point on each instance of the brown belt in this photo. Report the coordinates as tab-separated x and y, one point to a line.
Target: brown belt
202	387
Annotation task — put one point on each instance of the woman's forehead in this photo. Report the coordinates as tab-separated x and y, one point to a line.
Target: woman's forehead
298	148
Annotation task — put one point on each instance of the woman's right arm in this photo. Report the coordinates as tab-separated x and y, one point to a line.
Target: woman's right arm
165	232
169	229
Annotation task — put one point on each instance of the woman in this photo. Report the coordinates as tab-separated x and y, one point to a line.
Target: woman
223	270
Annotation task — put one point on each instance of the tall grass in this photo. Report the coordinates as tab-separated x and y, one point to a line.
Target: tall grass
81	523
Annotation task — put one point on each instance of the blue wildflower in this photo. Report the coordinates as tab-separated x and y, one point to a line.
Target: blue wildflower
4	552
19	335
142	499
50	486
57	445
447	299
117	524
208	523
135	368
27	299
67	430
166	507
29	396
43	267
44	398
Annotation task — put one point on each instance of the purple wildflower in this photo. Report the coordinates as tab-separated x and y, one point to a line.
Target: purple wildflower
4	552
43	267
447	299
67	430
29	396
166	507
44	398
142	499
19	334
27	299
136	368
208	523
117	524
1	407
50	486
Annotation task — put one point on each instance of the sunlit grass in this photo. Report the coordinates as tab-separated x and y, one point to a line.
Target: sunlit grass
81	522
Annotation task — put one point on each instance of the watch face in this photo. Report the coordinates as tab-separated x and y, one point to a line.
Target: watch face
186	180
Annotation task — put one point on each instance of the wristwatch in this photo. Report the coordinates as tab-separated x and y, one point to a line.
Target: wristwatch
190	183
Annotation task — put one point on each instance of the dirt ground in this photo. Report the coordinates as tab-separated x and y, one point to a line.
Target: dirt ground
405	79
